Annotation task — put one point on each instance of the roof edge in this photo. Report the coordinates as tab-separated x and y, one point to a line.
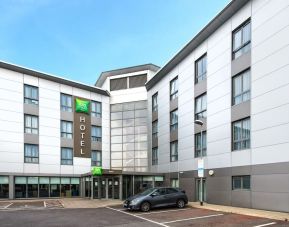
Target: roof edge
53	78
104	75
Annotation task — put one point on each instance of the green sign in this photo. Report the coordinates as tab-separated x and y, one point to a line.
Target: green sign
81	106
96	171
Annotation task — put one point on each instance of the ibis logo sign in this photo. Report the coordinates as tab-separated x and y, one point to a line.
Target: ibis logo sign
82	128
96	171
82	106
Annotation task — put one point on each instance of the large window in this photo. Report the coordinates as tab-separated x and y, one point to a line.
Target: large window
198	144
241	87
201	107
174	182
66	129
241	39
174	88
96	158
31	153
241	134
4	187
30	94
241	182
95	109
155	156
31	124
96	133
66	103
174	151
66	156
155	129
155	102
201	69
174	120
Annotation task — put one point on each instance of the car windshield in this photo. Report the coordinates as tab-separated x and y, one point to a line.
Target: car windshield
147	192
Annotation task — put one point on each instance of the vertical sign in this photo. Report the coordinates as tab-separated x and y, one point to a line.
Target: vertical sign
82	128
200	167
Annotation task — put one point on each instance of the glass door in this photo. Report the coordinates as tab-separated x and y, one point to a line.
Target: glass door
198	190
116	188
110	186
103	188
96	187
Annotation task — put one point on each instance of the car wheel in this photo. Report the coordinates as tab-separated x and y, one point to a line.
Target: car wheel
181	203
145	207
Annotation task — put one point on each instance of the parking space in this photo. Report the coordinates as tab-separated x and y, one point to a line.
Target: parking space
173	217
26	205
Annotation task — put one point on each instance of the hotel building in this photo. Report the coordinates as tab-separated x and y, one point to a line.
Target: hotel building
220	104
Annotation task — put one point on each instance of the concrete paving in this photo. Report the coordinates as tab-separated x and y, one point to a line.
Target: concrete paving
89	203
245	211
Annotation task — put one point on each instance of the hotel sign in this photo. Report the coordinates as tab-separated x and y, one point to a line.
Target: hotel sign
82	128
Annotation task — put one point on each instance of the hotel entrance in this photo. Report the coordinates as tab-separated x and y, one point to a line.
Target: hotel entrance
106	187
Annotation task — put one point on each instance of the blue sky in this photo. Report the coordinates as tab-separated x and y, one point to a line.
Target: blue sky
78	39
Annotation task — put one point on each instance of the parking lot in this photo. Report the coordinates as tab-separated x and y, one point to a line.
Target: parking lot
28	205
117	216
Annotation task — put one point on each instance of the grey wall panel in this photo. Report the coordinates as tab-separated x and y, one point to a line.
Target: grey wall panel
270	201
241	170
31	109
154	116
96	145
154	142
219	197
66	116
66	142
96	121
241	63
277	183
200	88
241	198
218	183
31	138
272	168
174	135
240	111
173	104
188	184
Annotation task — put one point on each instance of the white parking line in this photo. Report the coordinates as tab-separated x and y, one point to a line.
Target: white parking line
271	223
157	223
187	219
8	206
164	211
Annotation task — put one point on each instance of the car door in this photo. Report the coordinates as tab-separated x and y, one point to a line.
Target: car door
159	198
172	196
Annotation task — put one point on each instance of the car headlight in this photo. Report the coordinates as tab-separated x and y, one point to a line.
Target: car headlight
134	201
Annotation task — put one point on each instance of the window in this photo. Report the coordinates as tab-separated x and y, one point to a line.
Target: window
174	120
66	103
198	144
174	151
241	87
95	109
175	182
241	134
118	84
155	102
66	129
30	94
31	124
137	81
96	158
201	69
4	187
31	153
201	107
241	182
155	156
96	133
174	88
155	129
241	39
66	156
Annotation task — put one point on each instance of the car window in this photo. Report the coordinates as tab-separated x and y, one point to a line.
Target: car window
161	191
171	190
